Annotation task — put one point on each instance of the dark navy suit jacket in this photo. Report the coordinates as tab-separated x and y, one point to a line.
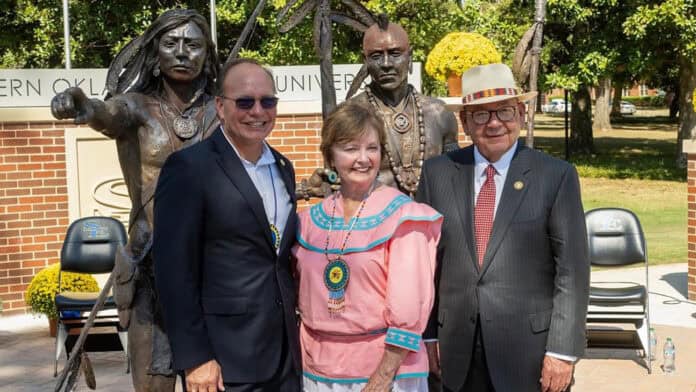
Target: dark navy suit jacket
224	291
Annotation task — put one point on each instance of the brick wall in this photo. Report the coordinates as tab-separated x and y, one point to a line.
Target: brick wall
34	201
691	195
297	137
33	205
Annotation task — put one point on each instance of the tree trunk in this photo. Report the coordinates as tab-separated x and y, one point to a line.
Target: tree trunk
687	115
674	104
328	91
616	100
581	122
601	115
539	16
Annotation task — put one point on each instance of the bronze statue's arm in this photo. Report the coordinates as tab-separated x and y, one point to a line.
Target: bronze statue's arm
111	118
446	125
320	184
450	132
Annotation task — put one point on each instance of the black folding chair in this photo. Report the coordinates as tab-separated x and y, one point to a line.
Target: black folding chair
616	239
89	247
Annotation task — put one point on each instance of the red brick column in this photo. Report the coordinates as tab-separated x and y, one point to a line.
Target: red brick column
33	205
691	195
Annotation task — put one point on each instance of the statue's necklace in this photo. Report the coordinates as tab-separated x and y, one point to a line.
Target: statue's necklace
407	174
337	272
398	119
184	125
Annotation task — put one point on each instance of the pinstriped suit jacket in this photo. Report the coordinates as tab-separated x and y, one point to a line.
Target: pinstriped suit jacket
532	292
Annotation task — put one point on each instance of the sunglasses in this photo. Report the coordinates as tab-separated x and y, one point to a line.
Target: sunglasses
246	103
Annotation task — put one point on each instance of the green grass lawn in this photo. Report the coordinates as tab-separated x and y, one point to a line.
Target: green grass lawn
633	168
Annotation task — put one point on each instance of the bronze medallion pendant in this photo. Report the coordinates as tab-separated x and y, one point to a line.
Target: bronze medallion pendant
185	127
401	122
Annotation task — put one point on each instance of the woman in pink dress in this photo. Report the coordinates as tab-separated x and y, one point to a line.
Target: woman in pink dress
365	264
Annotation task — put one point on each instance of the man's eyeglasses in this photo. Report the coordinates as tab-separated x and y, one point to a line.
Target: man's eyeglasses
504	114
246	103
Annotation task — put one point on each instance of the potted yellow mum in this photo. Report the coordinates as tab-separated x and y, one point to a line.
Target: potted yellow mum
41	293
456	53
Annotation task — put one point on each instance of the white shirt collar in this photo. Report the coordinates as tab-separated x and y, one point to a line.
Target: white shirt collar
501	166
266	158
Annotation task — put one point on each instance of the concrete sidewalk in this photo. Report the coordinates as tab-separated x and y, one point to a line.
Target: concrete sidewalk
26	350
609	370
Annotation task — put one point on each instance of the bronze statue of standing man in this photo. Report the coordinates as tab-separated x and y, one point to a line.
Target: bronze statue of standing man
161	88
418	127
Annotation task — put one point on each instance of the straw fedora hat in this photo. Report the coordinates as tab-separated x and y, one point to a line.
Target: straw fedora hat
486	84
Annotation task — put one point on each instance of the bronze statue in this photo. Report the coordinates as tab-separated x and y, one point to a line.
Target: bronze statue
418	127
161	87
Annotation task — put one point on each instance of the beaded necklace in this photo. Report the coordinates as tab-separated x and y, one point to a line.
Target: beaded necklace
337	272
275	233
407	174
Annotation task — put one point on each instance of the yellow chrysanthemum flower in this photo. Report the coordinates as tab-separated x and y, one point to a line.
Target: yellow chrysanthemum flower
41	293
457	52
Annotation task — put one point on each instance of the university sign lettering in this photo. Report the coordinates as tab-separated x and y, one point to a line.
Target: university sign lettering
36	87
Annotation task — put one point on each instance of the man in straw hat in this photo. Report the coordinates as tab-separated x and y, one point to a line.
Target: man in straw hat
513	274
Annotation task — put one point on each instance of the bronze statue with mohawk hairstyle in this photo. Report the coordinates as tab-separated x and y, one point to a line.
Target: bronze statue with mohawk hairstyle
417	126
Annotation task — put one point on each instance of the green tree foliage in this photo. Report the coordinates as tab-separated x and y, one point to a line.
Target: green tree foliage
32	34
584	45
425	21
669	28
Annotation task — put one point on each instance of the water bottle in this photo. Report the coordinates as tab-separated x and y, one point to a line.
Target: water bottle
669	355
653	344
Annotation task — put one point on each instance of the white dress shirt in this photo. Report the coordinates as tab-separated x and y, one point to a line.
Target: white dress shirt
501	170
269	184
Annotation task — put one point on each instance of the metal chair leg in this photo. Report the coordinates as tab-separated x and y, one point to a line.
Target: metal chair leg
643	331
61	336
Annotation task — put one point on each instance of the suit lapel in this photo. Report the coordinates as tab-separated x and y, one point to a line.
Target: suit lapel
514	191
232	166
463	192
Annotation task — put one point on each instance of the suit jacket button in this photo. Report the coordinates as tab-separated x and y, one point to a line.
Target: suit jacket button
472	319
279	303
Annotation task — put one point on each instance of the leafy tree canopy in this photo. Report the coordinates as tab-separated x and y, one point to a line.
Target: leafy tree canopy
32	34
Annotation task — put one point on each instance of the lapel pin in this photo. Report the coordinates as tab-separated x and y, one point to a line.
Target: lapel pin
282	162
518	185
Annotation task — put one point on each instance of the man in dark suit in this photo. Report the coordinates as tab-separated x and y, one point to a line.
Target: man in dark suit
513	272
224	224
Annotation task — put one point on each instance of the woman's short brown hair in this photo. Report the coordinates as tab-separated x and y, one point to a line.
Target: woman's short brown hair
348	122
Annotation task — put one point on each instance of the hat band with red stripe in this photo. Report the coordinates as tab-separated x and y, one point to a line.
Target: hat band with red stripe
492	92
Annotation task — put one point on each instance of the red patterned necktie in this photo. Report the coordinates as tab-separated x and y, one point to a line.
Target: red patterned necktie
483	213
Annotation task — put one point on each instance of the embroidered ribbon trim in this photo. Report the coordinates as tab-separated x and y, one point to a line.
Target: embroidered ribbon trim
402	338
493	92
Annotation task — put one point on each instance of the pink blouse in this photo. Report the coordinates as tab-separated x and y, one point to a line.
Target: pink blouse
391	258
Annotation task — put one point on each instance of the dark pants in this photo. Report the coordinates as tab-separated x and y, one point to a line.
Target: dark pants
284	379
477	379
